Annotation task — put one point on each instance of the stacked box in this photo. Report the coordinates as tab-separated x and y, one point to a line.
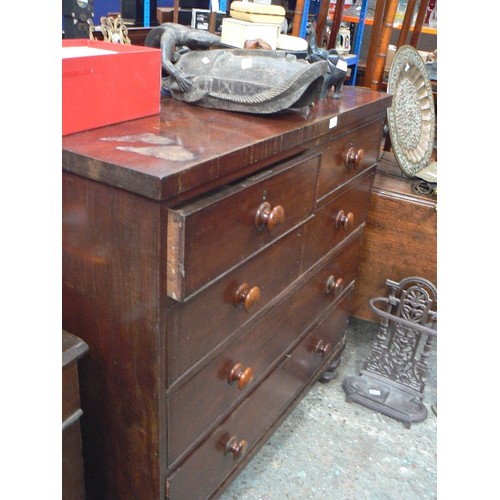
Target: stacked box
236	32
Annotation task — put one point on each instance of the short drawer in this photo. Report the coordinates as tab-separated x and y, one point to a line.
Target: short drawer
225	447
200	324
347	156
325	338
257	350
208	237
337	220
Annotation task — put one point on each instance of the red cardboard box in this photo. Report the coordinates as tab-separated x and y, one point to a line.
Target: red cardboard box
105	83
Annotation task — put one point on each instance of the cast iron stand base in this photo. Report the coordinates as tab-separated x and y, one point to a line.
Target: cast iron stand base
385	398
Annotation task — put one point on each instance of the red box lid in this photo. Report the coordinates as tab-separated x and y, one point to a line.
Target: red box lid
105	83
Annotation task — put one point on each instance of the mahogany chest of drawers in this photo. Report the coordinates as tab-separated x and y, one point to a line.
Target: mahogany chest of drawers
209	261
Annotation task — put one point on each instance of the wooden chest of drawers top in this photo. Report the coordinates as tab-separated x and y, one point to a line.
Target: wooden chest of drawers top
188	150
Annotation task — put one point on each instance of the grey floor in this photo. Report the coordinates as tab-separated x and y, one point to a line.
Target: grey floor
330	449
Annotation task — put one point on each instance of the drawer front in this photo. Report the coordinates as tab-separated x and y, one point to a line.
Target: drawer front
347	156
212	460
325	338
257	349
199	325
208	237
338	220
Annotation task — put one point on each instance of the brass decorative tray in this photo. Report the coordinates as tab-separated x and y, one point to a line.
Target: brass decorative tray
411	118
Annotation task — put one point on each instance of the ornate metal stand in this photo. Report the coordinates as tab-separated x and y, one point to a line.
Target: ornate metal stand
113	30
392	379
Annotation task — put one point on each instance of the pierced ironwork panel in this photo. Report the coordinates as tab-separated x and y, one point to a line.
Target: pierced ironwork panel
393	377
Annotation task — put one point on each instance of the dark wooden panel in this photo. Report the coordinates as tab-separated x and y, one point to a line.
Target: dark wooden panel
400	241
322	233
208	237
334	172
73	481
258	348
111	287
70	391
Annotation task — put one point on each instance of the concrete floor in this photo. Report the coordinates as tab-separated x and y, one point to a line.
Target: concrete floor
330	449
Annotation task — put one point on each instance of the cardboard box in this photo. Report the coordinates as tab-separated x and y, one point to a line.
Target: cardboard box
236	32
105	83
201	20
257	13
165	14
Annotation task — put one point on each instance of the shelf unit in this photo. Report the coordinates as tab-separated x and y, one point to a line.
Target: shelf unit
362	21
354	19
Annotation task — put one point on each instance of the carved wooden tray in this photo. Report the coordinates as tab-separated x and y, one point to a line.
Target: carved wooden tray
411	118
251	81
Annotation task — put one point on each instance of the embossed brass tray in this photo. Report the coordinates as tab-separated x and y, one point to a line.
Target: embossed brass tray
411	118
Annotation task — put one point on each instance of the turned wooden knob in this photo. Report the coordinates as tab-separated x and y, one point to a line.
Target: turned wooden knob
237	448
353	159
323	347
269	217
246	295
334	286
344	220
240	374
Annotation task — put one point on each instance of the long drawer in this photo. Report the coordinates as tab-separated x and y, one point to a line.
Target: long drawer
200	324
256	350
348	156
208	237
208	466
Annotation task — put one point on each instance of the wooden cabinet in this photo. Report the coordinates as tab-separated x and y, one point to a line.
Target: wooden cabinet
209	261
400	238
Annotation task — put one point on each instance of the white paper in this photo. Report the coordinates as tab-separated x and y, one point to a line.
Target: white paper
69	52
342	65
246	63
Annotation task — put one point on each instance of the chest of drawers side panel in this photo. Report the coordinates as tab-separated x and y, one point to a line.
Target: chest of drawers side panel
111	300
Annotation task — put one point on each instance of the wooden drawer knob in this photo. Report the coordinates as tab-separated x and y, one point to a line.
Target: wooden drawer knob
334	286
240	374
353	159
347	221
246	295
322	347
269	217
237	448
